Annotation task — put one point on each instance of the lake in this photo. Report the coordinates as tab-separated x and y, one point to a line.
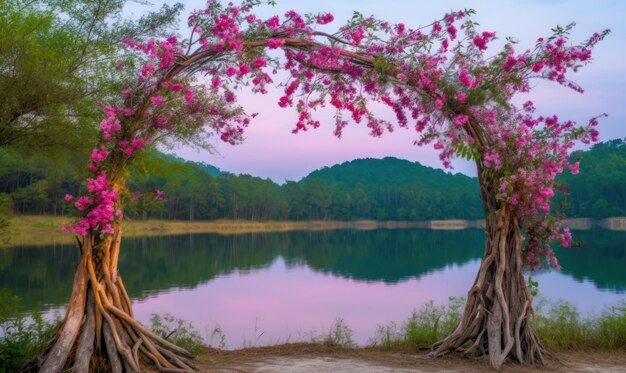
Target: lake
266	288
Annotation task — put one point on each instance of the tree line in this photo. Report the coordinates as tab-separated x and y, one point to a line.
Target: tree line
382	189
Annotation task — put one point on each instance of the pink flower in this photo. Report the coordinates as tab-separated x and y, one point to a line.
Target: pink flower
230	71
464	78
326	18
83	202
99	155
138	143
68	197
275	43
157	100
357	35
158	195
460	120
273	23
147	70
259	62
452	31
189	95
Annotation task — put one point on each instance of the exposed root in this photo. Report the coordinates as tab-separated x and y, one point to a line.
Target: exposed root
495	322
99	324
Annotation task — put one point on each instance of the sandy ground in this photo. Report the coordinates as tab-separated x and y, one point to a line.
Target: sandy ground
319	359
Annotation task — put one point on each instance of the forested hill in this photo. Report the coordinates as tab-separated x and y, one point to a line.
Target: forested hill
397	189
599	189
383	189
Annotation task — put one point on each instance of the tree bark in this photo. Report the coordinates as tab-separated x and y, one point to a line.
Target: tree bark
99	319
496	319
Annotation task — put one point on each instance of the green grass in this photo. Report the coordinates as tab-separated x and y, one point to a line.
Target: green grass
339	334
23	336
180	332
560	326
423	328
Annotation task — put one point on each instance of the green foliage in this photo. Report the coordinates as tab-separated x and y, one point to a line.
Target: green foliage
533	286
180	332
382	189
424	327
560	327
386	189
57	59
339	334
599	190
6	210
9	305
22	336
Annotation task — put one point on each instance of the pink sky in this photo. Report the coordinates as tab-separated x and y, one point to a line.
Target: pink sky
271	150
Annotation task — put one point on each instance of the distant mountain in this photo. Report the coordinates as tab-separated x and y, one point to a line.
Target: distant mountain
395	189
390	171
170	158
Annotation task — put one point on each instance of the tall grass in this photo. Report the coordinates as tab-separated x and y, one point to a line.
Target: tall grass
339	334
22	336
180	332
423	328
558	324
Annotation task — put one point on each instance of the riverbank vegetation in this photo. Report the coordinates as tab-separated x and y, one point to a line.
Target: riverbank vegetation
558	324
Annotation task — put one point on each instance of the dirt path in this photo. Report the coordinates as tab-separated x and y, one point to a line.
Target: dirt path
318	359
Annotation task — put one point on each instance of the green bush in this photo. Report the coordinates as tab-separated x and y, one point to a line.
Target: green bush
423	328
180	332
23	336
560	327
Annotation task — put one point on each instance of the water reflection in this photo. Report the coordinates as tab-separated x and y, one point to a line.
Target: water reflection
295	283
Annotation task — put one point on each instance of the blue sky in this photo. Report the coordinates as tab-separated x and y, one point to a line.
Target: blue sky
271	150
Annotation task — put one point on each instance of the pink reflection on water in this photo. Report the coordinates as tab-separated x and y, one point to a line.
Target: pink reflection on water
280	304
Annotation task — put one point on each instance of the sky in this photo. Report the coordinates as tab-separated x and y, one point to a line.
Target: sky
270	150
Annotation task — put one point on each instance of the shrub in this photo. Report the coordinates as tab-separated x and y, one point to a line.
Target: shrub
180	332
23	335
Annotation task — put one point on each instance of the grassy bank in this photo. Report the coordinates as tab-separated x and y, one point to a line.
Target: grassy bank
46	230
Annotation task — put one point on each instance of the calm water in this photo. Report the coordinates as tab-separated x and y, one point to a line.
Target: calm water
277	287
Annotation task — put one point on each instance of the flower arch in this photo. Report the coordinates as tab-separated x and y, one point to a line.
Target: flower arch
437	79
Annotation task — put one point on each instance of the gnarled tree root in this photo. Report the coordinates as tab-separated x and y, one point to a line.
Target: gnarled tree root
99	322
495	322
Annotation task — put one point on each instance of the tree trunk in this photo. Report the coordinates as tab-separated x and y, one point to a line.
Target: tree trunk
496	318
99	320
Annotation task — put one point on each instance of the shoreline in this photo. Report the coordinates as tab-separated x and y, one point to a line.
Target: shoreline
37	230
